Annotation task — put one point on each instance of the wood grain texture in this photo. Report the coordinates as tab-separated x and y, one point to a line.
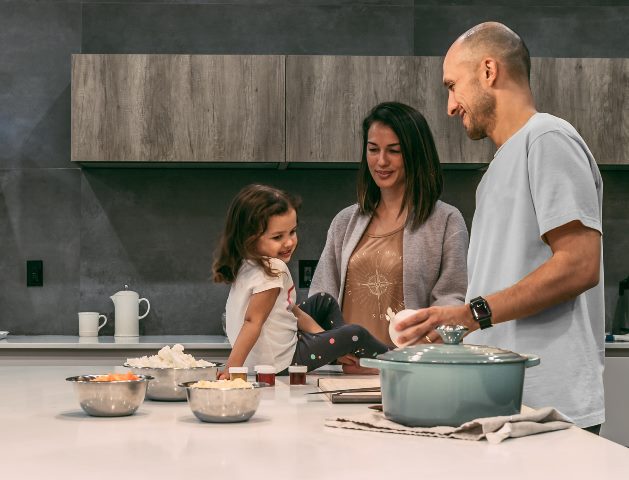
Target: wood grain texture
235	108
168	108
327	98
593	95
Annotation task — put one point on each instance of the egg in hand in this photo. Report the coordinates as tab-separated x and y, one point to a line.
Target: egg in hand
394	319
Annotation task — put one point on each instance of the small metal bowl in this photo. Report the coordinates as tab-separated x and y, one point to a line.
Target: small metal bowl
223	405
165	386
109	399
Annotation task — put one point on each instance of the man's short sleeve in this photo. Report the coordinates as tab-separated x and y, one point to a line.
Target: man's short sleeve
563	185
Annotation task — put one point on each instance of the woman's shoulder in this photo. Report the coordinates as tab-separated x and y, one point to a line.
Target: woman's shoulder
446	211
348	220
444	217
346	215
443	208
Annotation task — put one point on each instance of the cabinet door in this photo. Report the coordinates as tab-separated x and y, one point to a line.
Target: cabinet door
328	97
593	95
178	108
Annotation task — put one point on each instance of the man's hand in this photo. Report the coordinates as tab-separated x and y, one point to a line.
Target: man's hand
418	328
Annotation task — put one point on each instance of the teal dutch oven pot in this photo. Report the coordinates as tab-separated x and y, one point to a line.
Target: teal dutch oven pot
431	384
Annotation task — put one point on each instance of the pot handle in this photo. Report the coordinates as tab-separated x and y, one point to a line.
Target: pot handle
531	360
370	362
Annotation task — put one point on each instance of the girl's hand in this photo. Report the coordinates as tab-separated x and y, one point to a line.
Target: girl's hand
223	375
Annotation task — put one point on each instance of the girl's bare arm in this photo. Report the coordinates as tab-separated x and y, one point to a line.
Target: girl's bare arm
257	312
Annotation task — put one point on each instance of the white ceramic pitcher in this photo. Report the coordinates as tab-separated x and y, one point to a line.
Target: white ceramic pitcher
127	313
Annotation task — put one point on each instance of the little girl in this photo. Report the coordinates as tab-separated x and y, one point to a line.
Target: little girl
264	325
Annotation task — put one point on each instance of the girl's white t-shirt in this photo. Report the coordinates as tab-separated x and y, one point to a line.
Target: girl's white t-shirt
278	338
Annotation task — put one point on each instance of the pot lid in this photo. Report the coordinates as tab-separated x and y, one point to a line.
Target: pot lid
451	352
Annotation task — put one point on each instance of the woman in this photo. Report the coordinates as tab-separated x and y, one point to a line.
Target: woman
399	246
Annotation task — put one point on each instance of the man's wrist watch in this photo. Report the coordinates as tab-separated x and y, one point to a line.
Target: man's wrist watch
481	312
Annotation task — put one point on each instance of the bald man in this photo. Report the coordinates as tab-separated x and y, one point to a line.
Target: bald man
535	262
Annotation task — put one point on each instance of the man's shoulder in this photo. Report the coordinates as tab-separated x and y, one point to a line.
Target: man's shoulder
544	123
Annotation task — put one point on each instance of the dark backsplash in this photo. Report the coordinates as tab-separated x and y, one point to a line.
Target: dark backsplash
155	229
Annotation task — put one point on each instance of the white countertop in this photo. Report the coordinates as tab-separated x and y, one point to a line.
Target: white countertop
45	434
148	342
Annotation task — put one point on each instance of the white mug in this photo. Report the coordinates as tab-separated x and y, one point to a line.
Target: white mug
88	323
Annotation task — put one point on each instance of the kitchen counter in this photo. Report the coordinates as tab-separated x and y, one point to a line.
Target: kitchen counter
148	342
45	434
74	350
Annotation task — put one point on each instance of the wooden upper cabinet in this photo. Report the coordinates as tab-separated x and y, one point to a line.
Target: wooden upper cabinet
593	95
178	108
327	98
258	108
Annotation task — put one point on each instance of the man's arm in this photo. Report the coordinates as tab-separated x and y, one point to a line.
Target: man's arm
573	268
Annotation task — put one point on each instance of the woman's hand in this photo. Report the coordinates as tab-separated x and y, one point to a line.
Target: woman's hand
223	375
351	365
348	359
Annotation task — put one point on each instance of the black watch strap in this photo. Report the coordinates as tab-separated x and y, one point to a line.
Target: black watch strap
481	312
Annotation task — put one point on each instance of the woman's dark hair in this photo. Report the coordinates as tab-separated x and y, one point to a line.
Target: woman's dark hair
247	219
423	178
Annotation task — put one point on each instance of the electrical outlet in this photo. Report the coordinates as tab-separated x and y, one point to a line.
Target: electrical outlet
34	273
306	272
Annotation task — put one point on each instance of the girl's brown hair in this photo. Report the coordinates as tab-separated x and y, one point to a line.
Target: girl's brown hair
424	181
247	220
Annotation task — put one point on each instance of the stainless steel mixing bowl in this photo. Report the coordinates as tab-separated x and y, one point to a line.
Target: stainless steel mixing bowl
109	399
223	405
165	383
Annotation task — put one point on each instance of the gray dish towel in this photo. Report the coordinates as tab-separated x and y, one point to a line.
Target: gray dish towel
494	429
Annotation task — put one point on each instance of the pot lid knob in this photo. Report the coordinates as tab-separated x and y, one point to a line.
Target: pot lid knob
451	334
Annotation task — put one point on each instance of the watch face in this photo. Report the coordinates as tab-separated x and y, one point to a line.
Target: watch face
482	309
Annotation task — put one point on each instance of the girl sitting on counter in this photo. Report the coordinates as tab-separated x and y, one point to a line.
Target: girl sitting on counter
264	325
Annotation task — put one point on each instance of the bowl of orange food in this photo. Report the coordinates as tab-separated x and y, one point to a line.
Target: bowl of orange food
110	395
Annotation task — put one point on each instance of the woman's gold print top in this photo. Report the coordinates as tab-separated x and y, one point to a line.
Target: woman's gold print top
374	283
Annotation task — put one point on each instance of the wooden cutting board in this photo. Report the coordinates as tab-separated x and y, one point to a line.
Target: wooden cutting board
351	397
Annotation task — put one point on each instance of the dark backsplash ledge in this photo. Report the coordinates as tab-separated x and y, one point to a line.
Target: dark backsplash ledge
156	229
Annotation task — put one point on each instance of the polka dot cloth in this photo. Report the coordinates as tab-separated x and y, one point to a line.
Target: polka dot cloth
332	341
355	338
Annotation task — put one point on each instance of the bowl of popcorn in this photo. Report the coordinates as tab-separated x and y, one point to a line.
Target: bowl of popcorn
223	401
170	368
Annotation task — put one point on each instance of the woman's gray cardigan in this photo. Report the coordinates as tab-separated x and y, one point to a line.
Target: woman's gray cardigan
434	256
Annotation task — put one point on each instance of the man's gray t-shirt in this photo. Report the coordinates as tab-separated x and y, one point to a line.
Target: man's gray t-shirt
543	177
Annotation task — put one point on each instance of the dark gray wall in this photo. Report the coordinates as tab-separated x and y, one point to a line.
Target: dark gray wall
155	229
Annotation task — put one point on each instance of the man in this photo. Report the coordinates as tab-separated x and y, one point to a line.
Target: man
535	260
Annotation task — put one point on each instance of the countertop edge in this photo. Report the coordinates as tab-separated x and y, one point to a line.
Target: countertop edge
152	342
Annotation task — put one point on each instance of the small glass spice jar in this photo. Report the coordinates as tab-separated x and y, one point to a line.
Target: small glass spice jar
297	374
238	372
265	374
